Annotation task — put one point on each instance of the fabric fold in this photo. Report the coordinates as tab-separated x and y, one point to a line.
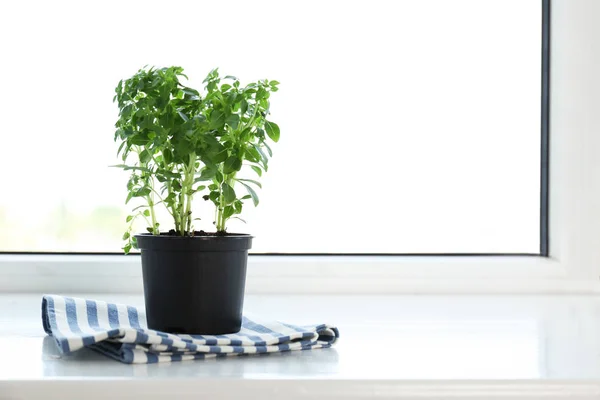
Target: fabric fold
120	332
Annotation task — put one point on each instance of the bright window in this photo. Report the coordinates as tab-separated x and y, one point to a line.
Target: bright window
407	126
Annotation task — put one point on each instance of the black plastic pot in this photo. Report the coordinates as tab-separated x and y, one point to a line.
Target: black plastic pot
194	285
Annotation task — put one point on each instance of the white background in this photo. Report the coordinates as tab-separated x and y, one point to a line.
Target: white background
407	126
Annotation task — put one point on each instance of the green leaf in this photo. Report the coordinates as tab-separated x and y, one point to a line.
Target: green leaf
121	147
250	181
220	157
163	173
230	77
237	206
126	111
228	211
228	193
129	218
126	236
131	168
257	170
261	94
170	199
233	121
252	193
263	156
190	91
214	73
268	149
167	156
127	248
252	155
200	188
211	86
146	213
272	130
206	175
183	116
232	164
217	119
246	134
141	192
214	196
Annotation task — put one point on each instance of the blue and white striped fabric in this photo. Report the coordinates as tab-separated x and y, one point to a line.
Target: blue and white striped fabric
120	332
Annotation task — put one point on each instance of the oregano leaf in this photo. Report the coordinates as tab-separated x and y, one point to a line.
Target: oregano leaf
228	193
252	194
257	170
272	130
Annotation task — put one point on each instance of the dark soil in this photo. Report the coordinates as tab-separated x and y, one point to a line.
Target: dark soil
172	232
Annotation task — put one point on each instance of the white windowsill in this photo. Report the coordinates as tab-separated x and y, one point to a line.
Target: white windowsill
338	275
391	347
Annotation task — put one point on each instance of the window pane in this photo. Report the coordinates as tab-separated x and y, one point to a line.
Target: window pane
407	126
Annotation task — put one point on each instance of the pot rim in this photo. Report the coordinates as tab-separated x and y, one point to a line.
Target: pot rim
170	237
236	242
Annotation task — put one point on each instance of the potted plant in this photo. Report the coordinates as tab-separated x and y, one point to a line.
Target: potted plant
181	146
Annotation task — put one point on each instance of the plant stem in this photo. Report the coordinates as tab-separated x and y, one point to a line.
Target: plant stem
221	209
155	230
188	208
172	209
216	217
220	226
181	211
162	201
151	206
186	195
189	214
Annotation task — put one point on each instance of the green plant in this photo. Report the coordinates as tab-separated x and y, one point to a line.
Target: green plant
238	117
177	143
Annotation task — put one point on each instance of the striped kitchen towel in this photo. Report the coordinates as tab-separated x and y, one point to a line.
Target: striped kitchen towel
120	332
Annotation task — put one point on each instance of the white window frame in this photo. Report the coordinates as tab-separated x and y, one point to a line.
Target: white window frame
573	265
